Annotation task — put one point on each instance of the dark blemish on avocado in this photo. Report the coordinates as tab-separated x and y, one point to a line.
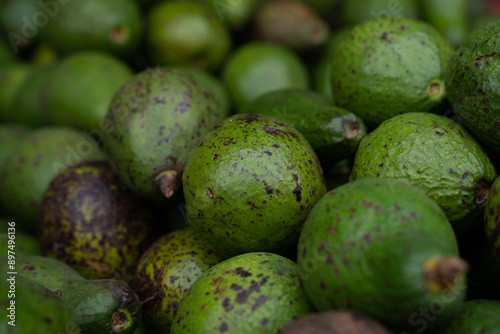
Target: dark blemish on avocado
209	193
413	214
276	146
235	287
402	28
297	192
329	259
367	204
273	131
367	237
381	165
268	153
312	192
263	321
322	285
47	320
174	305
29	267
173	279
158	101
384	36
452	170
250	118
295	177
223	327
259	302
216	157
182	107
226	304
465	176
241	272
438	133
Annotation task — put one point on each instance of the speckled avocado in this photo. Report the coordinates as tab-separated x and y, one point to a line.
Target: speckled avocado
334	322
492	218
382	248
154	122
250	184
166	272
479	316
35	309
99	306
90	220
389	66
472	84
435	154
249	293
334	133
37	159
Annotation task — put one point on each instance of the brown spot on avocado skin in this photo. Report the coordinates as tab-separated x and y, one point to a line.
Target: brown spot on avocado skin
273	131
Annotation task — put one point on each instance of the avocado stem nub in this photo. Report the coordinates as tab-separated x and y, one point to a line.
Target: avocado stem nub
120	319
351	129
482	192
169	182
436	90
442	274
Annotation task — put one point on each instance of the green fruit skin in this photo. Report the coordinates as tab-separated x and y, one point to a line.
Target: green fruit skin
257	68
10	134
37	309
6	53
155	121
98	240
30	104
492	218
250	184
111	26
363	247
165	273
236	14
434	154
25	244
472	84
12	77
17	18
93	302
250	293
385	67
186	34
38	157
359	11
82	86
476	317
449	17
334	133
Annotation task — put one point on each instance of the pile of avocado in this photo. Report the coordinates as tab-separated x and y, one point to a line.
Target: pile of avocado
250	166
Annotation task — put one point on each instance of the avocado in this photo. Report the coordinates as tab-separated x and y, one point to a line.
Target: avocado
153	123
250	184
333	133
32	308
436	155
37	159
99	306
10	134
20	243
301	29
81	88
476	317
472	84
235	14
12	77
382	248
22	20
257	68
250	293
356	12
103	227
492	218
166	271
186	34
113	26
334	322
449	17
389	66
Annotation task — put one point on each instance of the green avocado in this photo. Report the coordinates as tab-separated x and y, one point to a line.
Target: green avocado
81	87
382	248
250	293
449	17
99	306
186	34
113	26
492	218
90	220
473	86
389	66
333	133
12	77
165	273
250	184
435	154
10	136
32	308
153	123
236	14
479	316
359	11
22	21
37	159
257	68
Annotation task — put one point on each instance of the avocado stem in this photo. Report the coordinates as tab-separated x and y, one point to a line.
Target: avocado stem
351	129
436	90
442	274
168	182
120	319
482	192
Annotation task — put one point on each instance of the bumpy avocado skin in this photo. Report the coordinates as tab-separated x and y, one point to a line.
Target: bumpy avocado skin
165	273
334	133
90	220
473	87
250	293
38	158
363	248
435	154
250	184
155	121
476	317
386	67
36	309
492	218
